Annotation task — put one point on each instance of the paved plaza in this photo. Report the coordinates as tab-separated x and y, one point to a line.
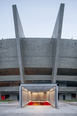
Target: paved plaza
12	109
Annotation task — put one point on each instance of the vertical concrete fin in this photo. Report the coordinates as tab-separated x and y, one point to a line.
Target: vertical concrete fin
57	35
19	35
58	25
17	23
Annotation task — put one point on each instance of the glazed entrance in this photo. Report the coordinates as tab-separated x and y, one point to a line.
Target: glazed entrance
39	94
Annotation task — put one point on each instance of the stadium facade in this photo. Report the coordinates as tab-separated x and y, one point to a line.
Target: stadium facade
38	60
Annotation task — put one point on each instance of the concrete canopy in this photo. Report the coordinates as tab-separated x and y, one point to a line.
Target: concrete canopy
38	87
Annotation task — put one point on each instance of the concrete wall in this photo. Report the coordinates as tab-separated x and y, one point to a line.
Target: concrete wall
67	89
16	89
26	97
47	96
61	97
37	52
13	96
68	55
37	77
52	97
67	96
8	54
40	96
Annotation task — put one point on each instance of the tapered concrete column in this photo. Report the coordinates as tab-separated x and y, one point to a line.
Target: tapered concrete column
55	60
19	35
57	36
20	96
56	97
59	21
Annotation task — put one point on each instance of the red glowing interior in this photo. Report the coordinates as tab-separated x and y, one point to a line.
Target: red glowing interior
38	103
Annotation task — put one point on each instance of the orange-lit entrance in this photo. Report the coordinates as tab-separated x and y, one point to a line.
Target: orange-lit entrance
38	98
38	94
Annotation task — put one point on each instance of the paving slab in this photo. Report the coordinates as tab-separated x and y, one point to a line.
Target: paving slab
63	110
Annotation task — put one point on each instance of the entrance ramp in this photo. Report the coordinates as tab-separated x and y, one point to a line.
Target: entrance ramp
38	93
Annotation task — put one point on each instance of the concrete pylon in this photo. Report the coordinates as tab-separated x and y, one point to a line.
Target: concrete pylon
58	25
57	36
19	35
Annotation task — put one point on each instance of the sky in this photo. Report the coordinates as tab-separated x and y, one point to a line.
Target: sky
38	18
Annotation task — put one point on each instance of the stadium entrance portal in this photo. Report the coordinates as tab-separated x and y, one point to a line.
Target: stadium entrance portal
38	94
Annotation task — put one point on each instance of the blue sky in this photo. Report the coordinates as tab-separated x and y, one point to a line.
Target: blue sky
38	18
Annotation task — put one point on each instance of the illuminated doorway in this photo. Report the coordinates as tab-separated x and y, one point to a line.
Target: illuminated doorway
38	94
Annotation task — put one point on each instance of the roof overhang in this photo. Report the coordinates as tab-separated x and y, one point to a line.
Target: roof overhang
38	87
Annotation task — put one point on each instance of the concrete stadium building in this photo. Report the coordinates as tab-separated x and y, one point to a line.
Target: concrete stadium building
38	60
